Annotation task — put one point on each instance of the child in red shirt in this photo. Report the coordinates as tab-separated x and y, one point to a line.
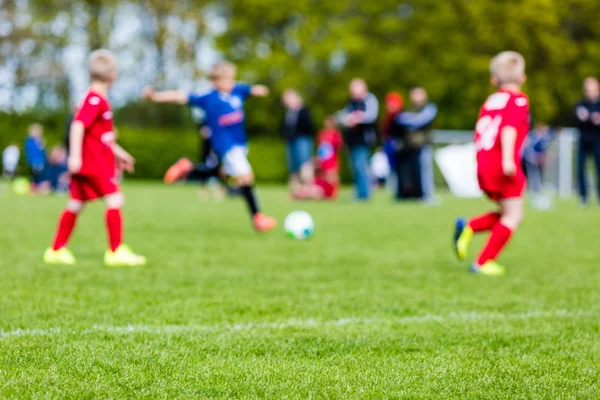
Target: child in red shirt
500	132
323	184
92	163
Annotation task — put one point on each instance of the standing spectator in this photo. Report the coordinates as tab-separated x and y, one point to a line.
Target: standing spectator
419	122
359	118
392	134
57	170
298	130
587	115
403	158
534	162
35	154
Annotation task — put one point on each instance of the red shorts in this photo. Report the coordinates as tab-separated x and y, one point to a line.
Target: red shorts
86	188
498	186
329	189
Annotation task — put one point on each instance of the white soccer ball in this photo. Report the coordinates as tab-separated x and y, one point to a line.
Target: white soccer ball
299	225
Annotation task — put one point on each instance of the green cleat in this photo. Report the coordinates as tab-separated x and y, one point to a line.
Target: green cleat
462	238
61	256
490	268
123	256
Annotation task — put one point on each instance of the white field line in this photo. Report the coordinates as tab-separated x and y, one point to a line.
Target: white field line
297	323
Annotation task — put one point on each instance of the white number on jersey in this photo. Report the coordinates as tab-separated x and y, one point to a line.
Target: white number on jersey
487	129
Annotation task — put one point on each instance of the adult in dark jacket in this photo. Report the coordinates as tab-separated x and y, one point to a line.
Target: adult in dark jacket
299	130
587	119
418	122
359	119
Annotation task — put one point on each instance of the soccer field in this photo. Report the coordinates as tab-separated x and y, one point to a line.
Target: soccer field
373	306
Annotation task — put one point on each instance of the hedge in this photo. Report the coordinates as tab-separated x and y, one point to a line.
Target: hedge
155	149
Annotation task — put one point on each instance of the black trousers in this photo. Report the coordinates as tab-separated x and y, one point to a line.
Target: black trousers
408	173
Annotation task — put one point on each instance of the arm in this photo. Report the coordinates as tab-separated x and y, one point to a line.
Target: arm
371	112
508	139
418	120
75	146
124	157
169	96
259	91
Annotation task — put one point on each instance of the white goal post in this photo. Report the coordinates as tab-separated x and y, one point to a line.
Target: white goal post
560	163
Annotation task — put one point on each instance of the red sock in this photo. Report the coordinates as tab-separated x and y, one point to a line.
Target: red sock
114	226
66	223
484	222
498	239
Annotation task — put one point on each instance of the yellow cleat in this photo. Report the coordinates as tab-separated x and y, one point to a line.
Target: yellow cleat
61	256
490	268
123	256
462	238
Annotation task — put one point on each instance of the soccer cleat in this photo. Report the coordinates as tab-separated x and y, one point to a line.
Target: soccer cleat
61	256
179	170
262	223
123	256
490	268
462	238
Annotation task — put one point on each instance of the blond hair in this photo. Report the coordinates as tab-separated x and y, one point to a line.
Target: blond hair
508	67
222	69
102	64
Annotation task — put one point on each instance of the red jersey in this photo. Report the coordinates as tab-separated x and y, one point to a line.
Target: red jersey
503	108
97	158
328	148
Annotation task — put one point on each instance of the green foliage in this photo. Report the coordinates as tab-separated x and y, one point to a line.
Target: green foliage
445	46
374	306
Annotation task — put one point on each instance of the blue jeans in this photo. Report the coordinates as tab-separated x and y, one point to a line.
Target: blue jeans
299	150
427	177
586	149
359	163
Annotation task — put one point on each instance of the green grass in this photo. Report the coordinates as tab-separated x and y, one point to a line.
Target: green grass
373	306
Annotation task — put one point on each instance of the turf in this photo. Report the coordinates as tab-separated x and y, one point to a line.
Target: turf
373	306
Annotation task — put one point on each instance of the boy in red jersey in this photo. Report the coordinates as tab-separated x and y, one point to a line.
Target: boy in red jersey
92	164
327	180
500	132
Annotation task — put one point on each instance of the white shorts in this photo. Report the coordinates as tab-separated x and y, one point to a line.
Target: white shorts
235	162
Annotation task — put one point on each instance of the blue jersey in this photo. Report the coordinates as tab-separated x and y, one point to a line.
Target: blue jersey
224	116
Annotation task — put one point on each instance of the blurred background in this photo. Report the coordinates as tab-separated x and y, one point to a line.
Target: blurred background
316	46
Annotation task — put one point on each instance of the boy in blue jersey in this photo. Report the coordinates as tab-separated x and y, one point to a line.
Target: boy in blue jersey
224	107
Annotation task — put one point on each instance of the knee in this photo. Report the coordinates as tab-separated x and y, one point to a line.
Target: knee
512	219
114	201
75	206
245	180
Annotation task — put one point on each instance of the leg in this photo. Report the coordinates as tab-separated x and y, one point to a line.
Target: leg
58	253
360	161
291	156
597	164
114	220
511	216
427	174
118	255
66	224
581	175
237	166
415	173
400	171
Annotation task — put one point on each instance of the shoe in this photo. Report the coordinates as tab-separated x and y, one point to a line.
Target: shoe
262	223
179	170
61	256
490	268
123	256
462	238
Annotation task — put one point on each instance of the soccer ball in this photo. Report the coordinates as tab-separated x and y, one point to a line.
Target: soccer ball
299	225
